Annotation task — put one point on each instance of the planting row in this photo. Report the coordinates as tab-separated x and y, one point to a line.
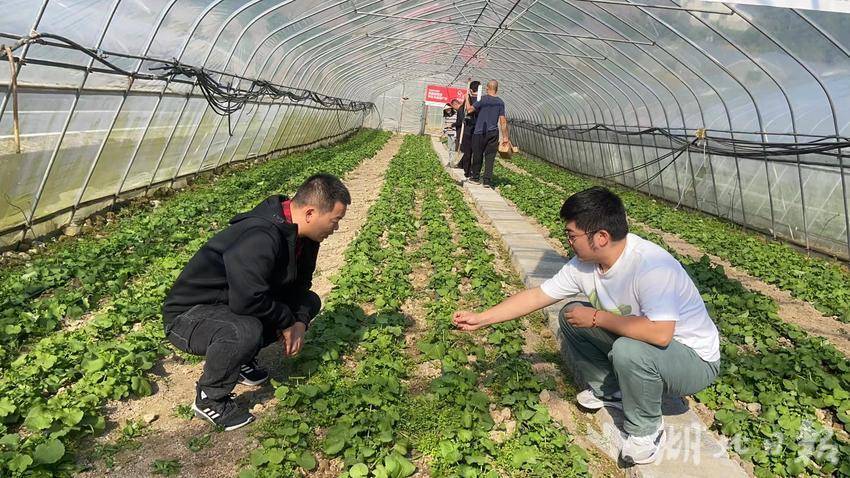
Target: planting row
364	400
71	277
52	394
825	284
782	398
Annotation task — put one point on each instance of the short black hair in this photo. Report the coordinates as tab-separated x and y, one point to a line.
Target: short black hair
595	209
474	85
323	191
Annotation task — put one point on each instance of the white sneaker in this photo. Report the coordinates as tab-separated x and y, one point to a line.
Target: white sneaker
643	450
588	400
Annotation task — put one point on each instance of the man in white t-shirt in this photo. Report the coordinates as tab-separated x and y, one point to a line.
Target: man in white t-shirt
644	330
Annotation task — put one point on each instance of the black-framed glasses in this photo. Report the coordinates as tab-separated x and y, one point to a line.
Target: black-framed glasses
571	238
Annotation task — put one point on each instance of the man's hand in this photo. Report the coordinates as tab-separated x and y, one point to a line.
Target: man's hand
292	338
581	317
466	320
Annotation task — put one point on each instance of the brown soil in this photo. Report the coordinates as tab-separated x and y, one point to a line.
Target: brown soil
175	379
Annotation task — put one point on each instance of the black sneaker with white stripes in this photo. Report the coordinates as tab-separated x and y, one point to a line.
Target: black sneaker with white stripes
224	413
251	374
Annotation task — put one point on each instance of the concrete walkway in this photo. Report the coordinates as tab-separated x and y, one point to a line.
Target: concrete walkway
691	450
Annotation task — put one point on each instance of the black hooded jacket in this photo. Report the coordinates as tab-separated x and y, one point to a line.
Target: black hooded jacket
250	266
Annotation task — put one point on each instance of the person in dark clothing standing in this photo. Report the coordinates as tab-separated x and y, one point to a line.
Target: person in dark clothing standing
489	123
249	286
466	122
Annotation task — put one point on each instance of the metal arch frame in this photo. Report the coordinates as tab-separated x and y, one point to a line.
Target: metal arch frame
38	18
720	65
761	126
233	49
831	104
256	49
379	75
347	74
302	42
71	111
714	89
222	26
340	46
641	67
620	80
257	18
274	50
647	87
203	114
609	72
629	86
730	121
776	82
158	103
286	75
653	92
355	20
634	78
498	28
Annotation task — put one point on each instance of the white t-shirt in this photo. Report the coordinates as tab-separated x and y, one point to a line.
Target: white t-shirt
645	281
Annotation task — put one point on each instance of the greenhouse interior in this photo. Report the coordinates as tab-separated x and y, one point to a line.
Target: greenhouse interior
558	238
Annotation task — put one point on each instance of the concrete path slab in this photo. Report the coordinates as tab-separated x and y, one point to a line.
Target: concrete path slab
691	450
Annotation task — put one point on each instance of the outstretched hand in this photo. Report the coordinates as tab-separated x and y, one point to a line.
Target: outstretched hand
292	339
467	320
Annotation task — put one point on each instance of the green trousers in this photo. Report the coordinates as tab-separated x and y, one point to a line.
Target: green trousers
642	372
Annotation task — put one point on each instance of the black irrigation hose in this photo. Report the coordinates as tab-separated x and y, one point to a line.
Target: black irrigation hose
223	99
716	145
658	173
633	169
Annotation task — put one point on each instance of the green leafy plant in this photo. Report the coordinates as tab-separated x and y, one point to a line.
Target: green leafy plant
778	386
166	467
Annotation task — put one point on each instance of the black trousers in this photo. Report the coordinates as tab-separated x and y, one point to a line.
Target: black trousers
484	148
226	339
466	151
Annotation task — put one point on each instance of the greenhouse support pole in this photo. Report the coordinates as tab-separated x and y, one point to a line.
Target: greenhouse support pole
731	75
271	132
23	56
155	110
260	129
645	51
248	140
834	121
77	94
285	129
268	142
274	136
125	95
221	28
635	78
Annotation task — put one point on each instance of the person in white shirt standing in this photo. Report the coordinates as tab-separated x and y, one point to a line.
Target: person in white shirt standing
644	330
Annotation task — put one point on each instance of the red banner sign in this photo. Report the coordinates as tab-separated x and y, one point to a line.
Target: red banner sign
437	95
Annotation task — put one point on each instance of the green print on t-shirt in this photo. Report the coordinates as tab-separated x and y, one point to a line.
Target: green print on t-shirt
622	309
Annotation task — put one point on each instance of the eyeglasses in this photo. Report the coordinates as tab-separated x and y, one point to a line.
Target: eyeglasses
572	237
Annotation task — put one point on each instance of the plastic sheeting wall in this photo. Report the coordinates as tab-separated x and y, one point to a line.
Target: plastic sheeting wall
732	188
89	139
758	73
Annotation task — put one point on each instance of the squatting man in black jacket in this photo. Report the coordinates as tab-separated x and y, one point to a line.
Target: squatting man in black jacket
249	286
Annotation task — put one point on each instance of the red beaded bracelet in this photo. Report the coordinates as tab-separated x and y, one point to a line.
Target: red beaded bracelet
594	318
